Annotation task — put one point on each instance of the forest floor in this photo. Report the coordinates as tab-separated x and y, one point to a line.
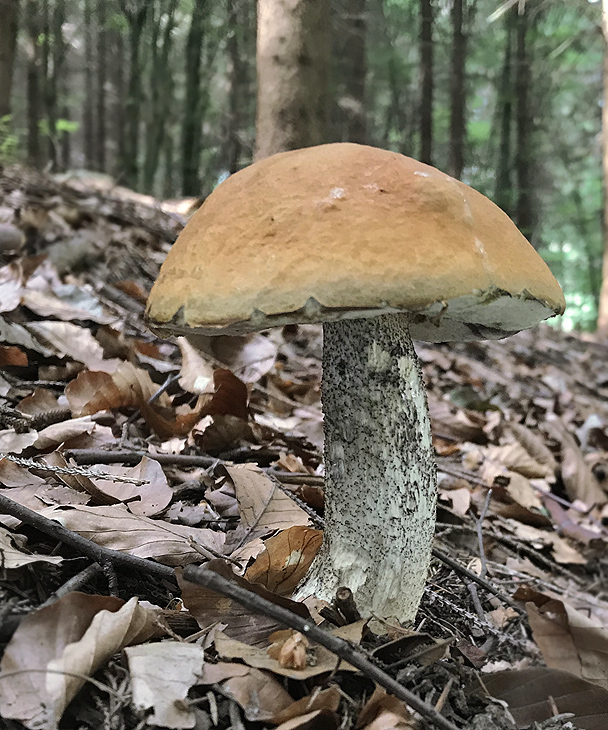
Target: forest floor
129	457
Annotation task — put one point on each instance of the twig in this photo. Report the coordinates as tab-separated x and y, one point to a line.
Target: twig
343	649
172	378
96	552
72	470
479	528
458	568
97	456
74	583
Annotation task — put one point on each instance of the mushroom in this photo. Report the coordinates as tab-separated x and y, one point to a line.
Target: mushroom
381	249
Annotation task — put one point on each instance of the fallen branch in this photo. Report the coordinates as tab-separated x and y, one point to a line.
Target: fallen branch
458	568
97	456
97	553
343	649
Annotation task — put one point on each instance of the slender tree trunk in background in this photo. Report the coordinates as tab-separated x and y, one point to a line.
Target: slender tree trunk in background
293	49
59	72
34	86
161	85
136	19
192	122
426	81
524	127
236	84
87	112
350	54
457	92
9	12
100	105
65	138
120	92
45	43
169	184
503	192
602	316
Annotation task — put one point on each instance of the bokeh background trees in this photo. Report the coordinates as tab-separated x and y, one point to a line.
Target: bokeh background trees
161	95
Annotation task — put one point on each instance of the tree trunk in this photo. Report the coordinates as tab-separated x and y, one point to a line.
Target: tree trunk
191	131
102	45
293	47
503	192
34	85
380	484
524	126
426	81
9	11
87	112
120	92
457	92
236	79
351	62
136	19
602	317
161	85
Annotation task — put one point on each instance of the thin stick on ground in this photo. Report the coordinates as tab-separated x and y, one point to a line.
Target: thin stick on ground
81	544
98	456
343	649
458	568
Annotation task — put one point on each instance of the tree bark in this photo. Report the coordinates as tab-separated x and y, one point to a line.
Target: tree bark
118	126
87	112
102	46
351	62
602	317
293	47
525	216
426	81
191	131
236	77
9	12
161	96
457	92
380	484
503	191
34	85
136	18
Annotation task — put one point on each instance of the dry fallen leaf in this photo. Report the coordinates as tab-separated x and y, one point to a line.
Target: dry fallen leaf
126	387
321	660
209	607
257	692
68	641
15	443
579	480
263	506
327	700
534	694
161	676
69	340
567	638
196	373
286	559
11	356
11	556
563	552
147	499
115	527
10	287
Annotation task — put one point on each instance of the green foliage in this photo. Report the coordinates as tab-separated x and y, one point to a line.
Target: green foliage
67	125
8	142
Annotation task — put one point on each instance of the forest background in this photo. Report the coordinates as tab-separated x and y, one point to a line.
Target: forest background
161	96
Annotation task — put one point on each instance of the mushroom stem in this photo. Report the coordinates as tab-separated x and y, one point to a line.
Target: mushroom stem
380	492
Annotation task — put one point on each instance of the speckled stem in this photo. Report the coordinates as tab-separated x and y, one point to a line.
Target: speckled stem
380	492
